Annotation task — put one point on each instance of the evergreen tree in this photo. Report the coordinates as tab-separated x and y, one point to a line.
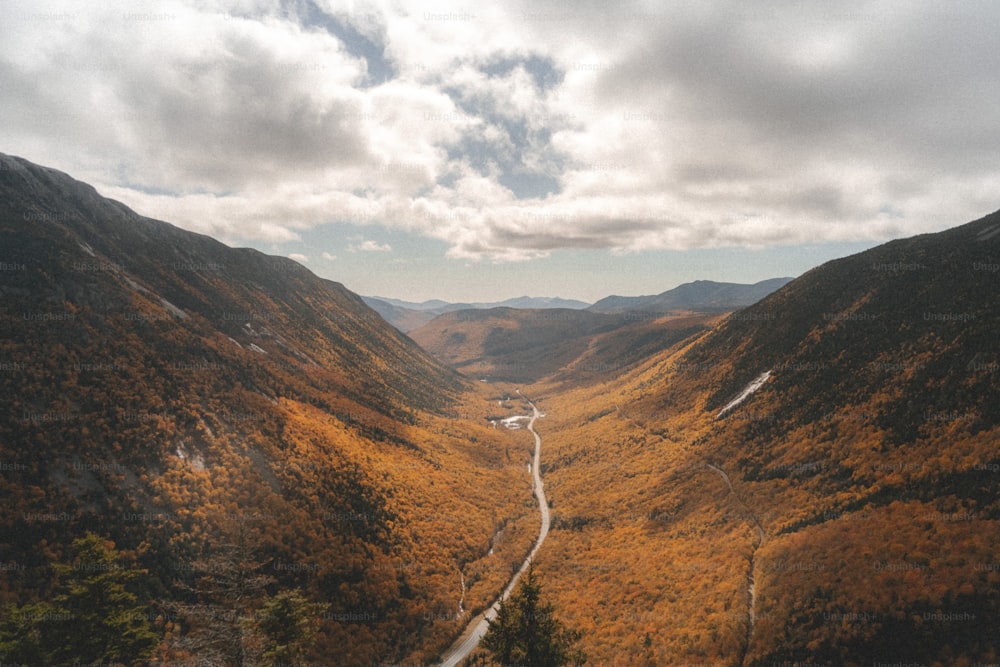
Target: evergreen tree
526	632
92	618
21	637
288	623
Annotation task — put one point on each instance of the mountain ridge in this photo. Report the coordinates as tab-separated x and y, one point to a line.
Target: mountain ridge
706	296
173	395
810	479
700	295
441	306
820	465
407	316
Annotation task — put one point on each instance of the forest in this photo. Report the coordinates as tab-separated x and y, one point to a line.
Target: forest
213	416
212	454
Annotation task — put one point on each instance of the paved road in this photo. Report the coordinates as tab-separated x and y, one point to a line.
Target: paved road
478	626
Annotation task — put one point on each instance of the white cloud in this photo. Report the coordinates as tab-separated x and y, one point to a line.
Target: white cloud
370	246
299	257
328	257
680	127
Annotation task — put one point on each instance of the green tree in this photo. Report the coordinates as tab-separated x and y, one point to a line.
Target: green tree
526	632
92	618
288	623
21	636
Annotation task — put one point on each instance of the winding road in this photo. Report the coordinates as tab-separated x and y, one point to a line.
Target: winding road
474	632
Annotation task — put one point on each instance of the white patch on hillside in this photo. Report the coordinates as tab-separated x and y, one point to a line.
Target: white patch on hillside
174	310
747	391
136	286
197	461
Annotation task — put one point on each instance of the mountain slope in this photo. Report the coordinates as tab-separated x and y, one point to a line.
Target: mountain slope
845	511
700	295
85	242
914	314
174	395
510	344
404	319
572	346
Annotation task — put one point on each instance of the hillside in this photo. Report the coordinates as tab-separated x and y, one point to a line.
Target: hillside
510	344
701	295
845	511
577	346
403	318
179	397
812	479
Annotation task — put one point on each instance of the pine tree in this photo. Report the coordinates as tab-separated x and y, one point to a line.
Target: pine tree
288	623
526	632
92	618
21	639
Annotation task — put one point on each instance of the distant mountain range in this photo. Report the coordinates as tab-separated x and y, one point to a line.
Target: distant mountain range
437	306
703	296
407	315
525	345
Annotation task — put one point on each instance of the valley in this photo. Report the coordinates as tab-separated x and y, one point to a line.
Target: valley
809	479
836	509
469	640
262	407
511	334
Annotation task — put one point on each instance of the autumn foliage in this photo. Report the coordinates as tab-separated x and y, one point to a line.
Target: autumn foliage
165	392
290	479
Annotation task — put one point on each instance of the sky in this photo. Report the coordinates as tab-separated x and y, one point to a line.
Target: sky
480	151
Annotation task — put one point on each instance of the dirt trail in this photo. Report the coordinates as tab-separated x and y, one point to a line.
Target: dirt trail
751	562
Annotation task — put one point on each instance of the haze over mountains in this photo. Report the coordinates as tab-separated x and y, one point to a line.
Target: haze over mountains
810	479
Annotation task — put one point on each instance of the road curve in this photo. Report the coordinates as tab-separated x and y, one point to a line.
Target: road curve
478	626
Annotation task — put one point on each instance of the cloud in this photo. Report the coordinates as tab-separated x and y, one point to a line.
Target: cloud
298	257
519	129
370	246
328	257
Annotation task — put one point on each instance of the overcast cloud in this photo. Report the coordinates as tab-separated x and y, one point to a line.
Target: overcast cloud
517	129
